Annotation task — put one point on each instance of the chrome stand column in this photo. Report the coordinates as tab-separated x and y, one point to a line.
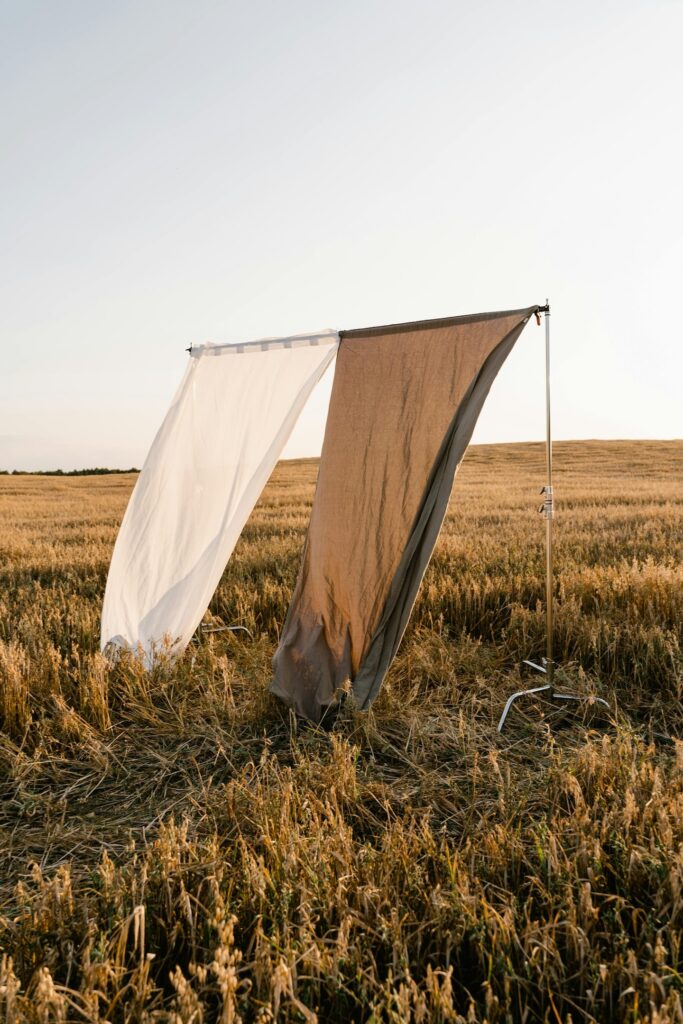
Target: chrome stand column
547	510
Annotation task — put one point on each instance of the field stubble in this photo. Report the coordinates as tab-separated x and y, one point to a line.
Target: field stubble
174	846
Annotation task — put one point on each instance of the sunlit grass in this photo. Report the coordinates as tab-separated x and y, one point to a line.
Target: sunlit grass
175	847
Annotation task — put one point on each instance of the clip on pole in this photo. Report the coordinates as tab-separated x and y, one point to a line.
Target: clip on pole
547	510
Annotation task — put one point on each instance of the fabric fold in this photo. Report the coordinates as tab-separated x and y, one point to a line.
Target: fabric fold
404	404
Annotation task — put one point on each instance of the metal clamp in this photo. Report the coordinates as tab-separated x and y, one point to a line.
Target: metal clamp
547	509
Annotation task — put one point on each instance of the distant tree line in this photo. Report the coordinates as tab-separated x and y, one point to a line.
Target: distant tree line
97	471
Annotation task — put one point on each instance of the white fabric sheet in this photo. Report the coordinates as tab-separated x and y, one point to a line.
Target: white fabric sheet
228	423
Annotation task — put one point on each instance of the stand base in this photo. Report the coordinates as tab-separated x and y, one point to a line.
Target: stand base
548	689
224	629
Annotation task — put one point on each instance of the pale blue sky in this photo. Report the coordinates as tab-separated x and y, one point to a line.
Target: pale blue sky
182	172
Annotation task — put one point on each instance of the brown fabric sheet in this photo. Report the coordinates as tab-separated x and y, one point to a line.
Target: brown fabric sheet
405	401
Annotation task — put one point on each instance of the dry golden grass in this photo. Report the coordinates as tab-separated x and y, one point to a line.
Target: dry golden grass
175	847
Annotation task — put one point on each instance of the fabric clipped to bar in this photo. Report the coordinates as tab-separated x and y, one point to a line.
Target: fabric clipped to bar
225	430
405	400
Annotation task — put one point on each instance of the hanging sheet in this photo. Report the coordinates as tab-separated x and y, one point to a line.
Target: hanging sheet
228	423
405	401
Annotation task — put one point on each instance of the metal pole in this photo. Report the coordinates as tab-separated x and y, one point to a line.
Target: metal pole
549	512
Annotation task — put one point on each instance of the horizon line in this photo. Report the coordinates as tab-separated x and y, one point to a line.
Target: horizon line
104	470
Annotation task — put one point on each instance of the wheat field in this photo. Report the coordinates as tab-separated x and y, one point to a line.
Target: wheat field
176	847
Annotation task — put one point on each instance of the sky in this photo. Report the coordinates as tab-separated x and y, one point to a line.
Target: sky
180	172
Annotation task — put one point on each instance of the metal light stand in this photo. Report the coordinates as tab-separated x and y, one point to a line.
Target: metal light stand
547	510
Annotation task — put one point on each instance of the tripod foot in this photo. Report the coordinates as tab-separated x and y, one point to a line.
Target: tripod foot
551	694
224	629
516	696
